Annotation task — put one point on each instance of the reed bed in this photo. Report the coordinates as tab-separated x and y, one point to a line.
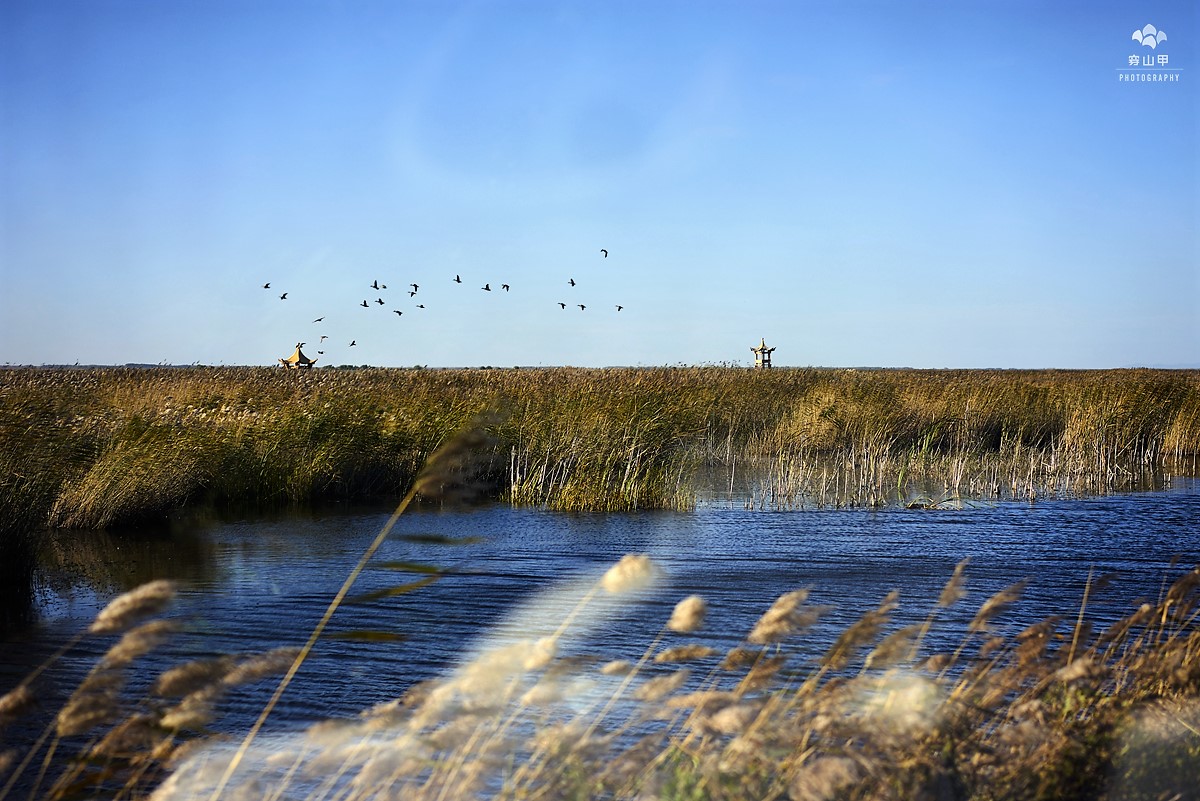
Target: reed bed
1070	707
103	447
1065	708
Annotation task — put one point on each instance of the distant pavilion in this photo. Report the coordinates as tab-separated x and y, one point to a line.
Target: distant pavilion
298	360
762	355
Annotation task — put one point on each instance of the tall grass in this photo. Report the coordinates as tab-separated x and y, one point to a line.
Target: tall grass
1061	709
104	447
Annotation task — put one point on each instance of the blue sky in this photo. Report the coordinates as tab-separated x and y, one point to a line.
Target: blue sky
934	184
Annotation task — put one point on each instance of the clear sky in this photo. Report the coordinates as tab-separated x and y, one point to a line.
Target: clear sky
924	184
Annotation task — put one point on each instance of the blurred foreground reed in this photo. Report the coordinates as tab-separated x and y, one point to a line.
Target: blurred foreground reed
1059	710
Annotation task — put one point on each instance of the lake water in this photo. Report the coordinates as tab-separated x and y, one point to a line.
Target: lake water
247	586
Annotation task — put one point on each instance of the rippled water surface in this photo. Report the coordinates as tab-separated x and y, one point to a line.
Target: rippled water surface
252	585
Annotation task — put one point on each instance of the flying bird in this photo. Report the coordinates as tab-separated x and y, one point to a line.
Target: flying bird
457	280
283	296
415	287
420	305
505	287
582	307
487	287
353	343
571	281
375	285
323	337
605	252
410	294
320	353
365	305
398	312
379	301
620	307
319	319
563	305
267	285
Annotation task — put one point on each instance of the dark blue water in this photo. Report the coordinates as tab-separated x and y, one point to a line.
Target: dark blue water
246	586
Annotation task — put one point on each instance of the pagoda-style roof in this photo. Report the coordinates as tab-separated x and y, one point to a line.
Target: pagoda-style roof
297	360
762	347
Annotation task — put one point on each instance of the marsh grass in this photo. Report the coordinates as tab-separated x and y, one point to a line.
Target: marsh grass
95	448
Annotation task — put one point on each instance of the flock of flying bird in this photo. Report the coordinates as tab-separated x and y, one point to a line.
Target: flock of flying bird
378	287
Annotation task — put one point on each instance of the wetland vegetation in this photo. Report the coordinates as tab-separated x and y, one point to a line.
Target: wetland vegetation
102	447
1068	708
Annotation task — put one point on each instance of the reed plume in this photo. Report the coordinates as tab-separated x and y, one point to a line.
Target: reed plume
688	615
124	610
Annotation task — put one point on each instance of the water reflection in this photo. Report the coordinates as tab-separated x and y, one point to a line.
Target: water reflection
107	563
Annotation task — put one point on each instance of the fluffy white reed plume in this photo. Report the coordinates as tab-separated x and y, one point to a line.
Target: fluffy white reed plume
896	702
786	616
688	615
684	653
634	572
193	712
14	703
192	676
661	686
138	641
261	666
125	610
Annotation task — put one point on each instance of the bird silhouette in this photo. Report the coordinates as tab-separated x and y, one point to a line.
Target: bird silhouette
457	280
374	285
582	307
415	287
319	319
605	252
571	281
379	301
320	353
505	287
383	286
267	285
398	312
487	287
283	296
420	305
366	305
353	343
563	305
620	307
323	337
410	294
